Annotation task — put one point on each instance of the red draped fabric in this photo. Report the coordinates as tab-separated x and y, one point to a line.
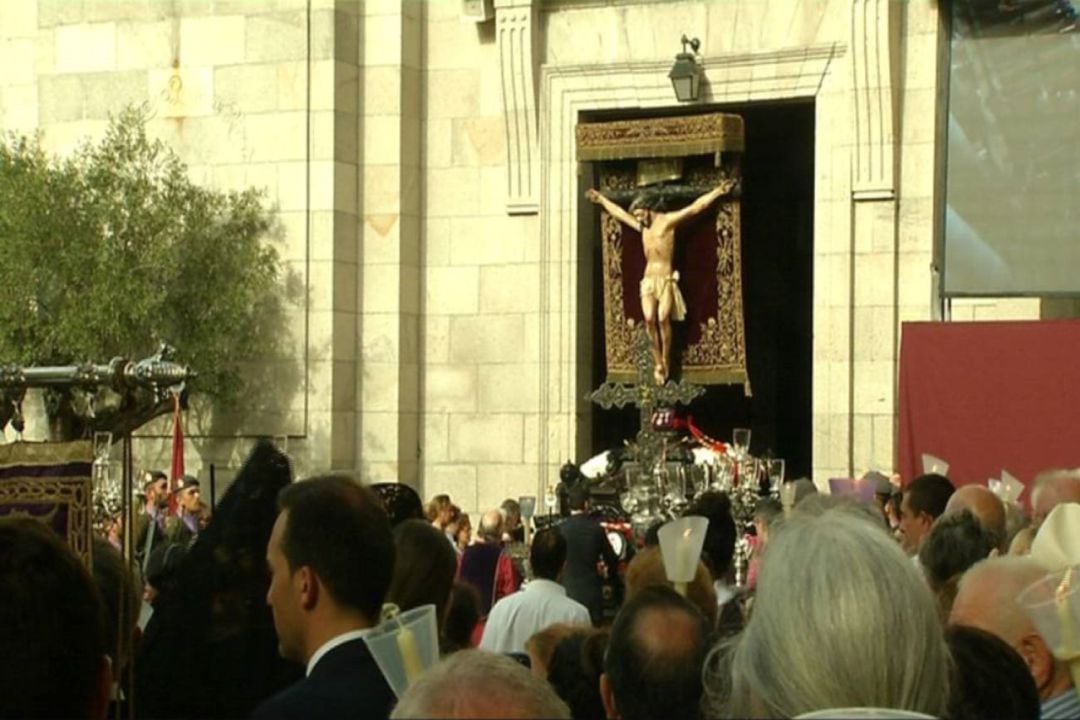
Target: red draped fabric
987	396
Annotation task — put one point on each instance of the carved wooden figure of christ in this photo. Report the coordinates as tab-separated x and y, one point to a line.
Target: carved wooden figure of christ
661	300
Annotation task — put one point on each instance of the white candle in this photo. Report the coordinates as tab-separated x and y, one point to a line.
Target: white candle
410	656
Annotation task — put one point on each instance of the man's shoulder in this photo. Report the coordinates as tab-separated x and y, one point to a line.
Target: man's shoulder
579	521
292	702
505	604
573	608
345	682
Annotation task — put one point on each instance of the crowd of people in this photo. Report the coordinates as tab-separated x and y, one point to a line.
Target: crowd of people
908	604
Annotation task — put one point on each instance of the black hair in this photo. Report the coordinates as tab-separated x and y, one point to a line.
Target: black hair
929	494
462	614
339	530
577	496
719	548
989	678
548	553
574	672
657	677
53	624
400	502
954	544
424	567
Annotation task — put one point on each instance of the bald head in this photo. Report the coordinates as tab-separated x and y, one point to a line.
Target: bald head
986	597
1050	489
655	656
478	684
667	633
987	600
491	525
984	505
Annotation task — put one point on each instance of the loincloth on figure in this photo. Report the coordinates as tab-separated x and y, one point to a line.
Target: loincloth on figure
656	286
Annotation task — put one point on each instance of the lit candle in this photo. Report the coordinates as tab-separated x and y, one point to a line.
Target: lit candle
410	656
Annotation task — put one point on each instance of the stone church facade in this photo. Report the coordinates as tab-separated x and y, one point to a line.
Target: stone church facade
421	159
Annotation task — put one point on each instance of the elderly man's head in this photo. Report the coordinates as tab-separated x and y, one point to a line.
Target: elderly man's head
1050	488
985	506
478	684
491	526
987	599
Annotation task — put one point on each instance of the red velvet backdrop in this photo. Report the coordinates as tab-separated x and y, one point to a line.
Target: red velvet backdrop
985	396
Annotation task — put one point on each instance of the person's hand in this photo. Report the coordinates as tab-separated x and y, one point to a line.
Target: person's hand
592	195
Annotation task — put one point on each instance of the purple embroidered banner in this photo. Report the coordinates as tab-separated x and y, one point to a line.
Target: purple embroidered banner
51	483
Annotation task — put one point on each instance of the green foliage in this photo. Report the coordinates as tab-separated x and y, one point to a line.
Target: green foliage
114	249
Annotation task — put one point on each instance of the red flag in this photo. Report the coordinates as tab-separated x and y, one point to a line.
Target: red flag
177	469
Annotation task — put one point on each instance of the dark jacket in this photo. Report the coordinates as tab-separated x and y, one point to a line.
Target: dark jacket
587	545
345	683
478	566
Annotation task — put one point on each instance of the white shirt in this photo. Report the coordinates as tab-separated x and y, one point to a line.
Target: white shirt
333	643
517	617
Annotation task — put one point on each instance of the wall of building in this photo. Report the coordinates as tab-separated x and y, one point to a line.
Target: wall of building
433	228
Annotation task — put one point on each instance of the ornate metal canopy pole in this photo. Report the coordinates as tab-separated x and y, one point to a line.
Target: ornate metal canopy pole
157	374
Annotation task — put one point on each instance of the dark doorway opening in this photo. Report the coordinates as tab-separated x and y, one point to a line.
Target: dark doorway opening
778	264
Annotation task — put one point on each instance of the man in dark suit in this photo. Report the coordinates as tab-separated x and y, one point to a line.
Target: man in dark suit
586	546
331	558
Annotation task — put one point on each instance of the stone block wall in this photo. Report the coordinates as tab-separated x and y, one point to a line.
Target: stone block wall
423	172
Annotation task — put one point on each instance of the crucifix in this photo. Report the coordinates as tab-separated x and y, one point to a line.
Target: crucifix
649	444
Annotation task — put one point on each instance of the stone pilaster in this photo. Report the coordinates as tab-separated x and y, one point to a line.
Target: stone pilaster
875	35
516	29
390	254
